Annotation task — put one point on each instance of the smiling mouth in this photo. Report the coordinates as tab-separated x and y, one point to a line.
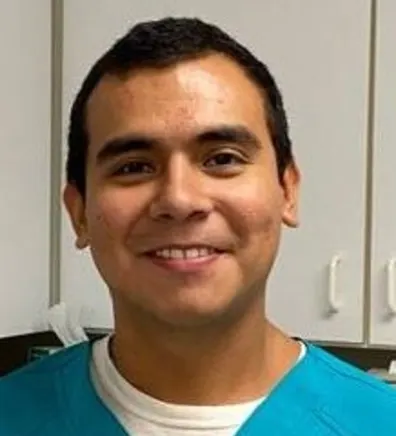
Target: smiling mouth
181	253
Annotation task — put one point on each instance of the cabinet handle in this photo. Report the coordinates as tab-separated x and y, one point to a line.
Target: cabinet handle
334	302
391	286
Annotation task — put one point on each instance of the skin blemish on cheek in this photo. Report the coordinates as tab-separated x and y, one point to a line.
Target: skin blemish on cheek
98	220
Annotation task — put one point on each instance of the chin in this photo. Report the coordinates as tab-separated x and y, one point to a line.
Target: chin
191	321
199	314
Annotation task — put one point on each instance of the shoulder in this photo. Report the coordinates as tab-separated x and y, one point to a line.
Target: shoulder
45	370
349	397
336	372
31	396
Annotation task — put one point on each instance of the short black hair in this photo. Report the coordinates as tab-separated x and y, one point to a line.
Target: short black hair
164	42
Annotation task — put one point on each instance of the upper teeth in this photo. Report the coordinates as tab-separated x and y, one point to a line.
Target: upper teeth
189	253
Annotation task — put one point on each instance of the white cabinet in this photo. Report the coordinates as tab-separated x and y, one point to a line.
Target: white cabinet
319	54
25	48
383	267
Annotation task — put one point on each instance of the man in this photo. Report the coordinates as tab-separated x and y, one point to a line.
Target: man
180	176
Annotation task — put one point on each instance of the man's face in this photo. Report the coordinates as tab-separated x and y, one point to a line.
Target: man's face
183	204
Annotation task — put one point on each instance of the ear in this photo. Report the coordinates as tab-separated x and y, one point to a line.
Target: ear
76	209
291	185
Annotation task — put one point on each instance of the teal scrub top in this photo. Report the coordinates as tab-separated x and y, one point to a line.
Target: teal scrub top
320	396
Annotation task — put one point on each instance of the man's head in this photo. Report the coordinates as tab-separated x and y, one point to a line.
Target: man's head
180	171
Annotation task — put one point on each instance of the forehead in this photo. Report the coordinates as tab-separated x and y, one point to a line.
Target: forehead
174	101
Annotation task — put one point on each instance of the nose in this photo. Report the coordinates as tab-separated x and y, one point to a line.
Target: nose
181	195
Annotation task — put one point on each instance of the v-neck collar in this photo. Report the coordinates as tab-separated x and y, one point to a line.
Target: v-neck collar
87	413
282	412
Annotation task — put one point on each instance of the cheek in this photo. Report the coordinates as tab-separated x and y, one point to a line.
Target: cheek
260	227
109	215
255	210
256	219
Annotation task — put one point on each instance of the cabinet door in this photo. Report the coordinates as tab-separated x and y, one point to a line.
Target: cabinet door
383	271
25	49
318	51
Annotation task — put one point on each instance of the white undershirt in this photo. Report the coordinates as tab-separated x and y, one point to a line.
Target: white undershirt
141	414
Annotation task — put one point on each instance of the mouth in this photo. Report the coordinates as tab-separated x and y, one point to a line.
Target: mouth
192	258
184	252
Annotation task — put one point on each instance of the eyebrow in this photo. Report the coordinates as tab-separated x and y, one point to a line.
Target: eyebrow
235	134
126	144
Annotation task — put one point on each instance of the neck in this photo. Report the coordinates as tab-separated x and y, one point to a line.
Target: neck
230	364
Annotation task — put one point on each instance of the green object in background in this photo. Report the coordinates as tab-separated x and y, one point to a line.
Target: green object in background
39	352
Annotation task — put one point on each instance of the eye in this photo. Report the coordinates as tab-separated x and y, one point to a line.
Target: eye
134	168
224	159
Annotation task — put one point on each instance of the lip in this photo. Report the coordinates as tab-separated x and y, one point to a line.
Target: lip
183	246
185	265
